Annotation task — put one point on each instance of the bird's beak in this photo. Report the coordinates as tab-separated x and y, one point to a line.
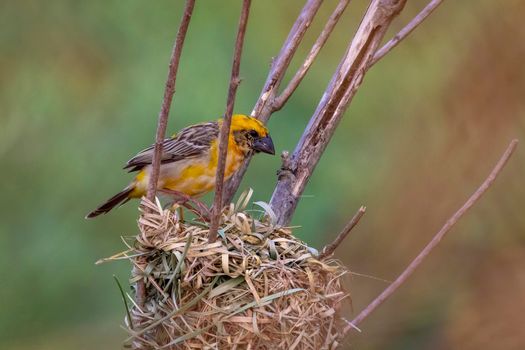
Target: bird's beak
264	144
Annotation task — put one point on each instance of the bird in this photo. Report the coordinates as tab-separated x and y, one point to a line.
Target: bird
189	159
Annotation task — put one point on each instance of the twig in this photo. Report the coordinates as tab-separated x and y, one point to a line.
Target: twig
140	293
264	106
163	120
403	33
226	123
268	102
316	48
330	248
168	96
435	240
336	98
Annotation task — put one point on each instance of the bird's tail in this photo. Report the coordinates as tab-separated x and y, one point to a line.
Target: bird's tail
118	199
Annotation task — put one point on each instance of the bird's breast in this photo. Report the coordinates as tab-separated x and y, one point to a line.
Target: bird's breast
195	177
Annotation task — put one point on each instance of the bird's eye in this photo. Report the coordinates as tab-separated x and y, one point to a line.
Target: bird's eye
253	133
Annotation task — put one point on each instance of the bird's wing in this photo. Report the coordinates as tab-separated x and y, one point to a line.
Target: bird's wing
189	142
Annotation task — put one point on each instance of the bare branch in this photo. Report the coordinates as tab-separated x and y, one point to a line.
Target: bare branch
269	102
264	106
140	293
341	89
330	248
312	55
403	33
225	127
168	95
435	241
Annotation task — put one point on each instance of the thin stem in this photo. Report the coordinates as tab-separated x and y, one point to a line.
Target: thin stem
140	293
435	240
342	88
264	106
403	33
330	248
168	96
226	123
312	55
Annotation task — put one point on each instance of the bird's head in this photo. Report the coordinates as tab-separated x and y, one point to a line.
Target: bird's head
251	135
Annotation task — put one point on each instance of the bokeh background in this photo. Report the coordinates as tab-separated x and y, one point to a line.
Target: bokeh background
80	89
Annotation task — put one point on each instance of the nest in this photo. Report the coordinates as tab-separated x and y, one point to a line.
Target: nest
256	287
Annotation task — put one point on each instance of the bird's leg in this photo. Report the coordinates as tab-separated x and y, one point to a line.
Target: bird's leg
200	210
173	206
192	204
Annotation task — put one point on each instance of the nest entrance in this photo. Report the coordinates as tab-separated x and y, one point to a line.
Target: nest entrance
256	287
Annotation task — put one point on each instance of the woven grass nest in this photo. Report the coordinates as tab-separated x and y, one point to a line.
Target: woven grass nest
256	287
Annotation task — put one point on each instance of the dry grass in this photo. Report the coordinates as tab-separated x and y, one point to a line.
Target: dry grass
257	287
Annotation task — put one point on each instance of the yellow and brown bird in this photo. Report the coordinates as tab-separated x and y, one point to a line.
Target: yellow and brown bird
189	159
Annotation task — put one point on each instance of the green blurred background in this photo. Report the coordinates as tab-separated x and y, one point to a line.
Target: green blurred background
80	89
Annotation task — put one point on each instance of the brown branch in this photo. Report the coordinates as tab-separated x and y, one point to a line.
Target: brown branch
226	123
341	89
312	55
163	120
330	248
403	33
264	106
268	101
435	241
168	96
